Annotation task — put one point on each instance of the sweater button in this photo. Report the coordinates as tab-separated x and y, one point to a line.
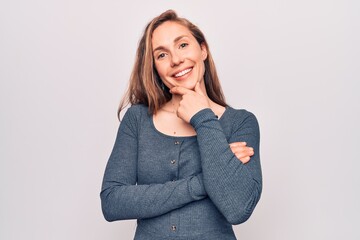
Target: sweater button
173	227
177	142
173	161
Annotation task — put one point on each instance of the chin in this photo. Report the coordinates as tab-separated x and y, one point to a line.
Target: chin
189	85
186	83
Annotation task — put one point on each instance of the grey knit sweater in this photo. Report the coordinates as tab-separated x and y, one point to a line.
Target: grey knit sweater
182	187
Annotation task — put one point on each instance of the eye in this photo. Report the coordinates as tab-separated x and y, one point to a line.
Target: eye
161	55
183	45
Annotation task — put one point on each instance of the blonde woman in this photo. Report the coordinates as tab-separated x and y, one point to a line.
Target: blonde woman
184	164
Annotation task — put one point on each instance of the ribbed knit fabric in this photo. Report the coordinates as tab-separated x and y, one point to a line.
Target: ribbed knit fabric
183	187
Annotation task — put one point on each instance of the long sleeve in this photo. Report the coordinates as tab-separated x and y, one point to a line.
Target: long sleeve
121	198
234	187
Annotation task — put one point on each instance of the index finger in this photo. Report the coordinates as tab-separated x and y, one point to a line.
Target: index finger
180	90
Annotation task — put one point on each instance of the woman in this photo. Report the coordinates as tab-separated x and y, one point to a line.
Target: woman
181	161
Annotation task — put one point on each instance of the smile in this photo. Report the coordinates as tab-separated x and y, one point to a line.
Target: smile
183	72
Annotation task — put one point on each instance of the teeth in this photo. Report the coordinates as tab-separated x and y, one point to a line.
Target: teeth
182	73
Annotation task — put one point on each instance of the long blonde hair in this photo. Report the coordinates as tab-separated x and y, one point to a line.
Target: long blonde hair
145	85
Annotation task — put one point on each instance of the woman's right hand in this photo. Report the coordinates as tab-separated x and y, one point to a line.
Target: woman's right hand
241	151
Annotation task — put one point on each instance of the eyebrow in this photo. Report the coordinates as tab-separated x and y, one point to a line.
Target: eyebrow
175	40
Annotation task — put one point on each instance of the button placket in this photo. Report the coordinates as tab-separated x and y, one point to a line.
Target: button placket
174	161
174	166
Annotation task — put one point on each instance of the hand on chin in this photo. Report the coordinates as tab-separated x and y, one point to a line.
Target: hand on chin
188	85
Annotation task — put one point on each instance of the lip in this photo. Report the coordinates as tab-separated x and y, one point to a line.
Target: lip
183	76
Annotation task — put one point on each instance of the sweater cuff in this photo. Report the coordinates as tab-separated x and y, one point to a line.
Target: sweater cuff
203	115
196	187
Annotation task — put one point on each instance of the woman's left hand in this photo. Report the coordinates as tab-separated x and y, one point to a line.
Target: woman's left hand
192	101
241	151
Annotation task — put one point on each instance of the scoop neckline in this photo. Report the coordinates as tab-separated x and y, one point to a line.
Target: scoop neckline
180	137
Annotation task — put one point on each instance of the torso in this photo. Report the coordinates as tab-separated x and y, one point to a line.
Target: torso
158	146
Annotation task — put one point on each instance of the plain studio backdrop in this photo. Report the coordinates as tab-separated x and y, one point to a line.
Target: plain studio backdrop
65	64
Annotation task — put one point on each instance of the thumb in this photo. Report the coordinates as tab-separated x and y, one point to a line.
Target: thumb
198	89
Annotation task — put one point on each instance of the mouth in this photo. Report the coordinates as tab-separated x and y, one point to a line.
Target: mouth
182	72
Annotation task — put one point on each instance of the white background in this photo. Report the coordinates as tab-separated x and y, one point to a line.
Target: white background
65	64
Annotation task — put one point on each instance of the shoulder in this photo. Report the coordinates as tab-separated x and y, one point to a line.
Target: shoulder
240	115
135	114
241	119
134	118
136	111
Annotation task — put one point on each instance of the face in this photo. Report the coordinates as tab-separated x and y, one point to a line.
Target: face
179	58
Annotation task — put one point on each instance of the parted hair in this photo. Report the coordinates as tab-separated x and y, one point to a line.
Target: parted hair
145	86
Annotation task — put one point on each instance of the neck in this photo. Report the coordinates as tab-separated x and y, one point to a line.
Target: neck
175	100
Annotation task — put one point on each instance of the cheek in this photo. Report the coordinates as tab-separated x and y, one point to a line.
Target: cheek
202	68
159	69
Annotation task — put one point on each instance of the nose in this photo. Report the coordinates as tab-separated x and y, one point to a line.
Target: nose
176	59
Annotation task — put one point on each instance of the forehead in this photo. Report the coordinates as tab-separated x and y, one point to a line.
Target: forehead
166	33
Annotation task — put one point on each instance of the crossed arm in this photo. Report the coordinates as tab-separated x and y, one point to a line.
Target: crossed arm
123	199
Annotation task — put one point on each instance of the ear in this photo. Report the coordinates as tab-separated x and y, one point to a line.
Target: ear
203	51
